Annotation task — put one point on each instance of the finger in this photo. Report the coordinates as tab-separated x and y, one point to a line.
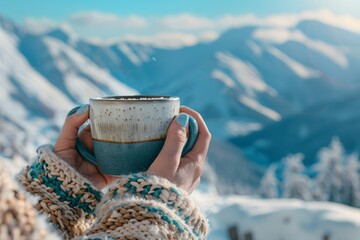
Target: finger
70	129
200	149
195	184
169	157
86	138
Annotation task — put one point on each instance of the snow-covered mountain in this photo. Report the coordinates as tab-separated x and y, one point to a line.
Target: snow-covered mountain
252	78
246	79
42	78
307	132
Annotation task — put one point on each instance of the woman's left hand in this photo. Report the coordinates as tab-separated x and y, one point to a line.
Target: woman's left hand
65	148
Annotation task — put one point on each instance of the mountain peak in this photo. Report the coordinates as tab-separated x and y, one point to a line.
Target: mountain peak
7	24
60	34
234	34
321	31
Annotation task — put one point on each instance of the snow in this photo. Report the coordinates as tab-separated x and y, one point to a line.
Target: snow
269	183
136	54
223	77
329	51
72	63
24	90
299	69
244	72
143	51
286	219
251	103
282	35
274	35
129	54
80	87
254	47
296	183
13	165
16	72
238	128
242	79
334	177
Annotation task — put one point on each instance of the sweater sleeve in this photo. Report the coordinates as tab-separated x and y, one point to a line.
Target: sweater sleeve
18	218
66	197
141	206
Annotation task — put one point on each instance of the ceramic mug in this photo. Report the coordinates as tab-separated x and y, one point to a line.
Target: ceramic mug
128	132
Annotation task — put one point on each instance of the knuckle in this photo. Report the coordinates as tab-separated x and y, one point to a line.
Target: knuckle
192	155
197	115
198	170
208	135
184	107
193	113
68	119
180	135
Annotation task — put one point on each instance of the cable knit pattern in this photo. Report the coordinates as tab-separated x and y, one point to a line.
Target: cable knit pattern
66	197
151	203
136	206
18	218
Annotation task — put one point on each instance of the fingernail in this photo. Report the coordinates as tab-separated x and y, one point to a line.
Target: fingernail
182	119
83	109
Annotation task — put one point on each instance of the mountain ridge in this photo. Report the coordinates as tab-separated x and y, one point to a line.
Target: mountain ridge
244	83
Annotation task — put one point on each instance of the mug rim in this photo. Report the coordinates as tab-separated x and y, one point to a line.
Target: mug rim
135	98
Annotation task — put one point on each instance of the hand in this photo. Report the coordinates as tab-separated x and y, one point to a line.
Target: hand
65	148
185	171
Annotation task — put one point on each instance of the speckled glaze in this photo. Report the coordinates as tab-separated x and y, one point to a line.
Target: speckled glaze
132	119
129	132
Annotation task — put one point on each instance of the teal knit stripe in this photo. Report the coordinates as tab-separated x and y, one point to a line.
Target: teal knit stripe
156	194
38	170
96	194
145	191
175	191
164	217
107	237
168	219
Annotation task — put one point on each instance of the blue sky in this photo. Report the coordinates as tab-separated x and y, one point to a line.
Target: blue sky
182	22
60	10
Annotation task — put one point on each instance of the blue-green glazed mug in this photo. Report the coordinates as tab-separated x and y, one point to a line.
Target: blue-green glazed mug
128	132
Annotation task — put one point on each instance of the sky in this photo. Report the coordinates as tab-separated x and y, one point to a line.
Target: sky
60	10
180	22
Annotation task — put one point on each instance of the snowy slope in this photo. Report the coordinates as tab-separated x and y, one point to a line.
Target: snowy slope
307	132
34	100
275	90
286	219
242	87
249	79
230	171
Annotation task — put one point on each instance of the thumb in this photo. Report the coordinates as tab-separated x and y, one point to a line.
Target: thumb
69	133
168	159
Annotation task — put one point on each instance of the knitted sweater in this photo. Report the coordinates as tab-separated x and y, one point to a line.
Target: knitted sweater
137	206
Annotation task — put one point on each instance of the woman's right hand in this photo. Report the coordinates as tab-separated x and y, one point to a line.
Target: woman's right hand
65	148
185	171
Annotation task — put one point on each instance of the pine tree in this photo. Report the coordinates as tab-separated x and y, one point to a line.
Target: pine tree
352	181
296	184
337	179
331	177
269	183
